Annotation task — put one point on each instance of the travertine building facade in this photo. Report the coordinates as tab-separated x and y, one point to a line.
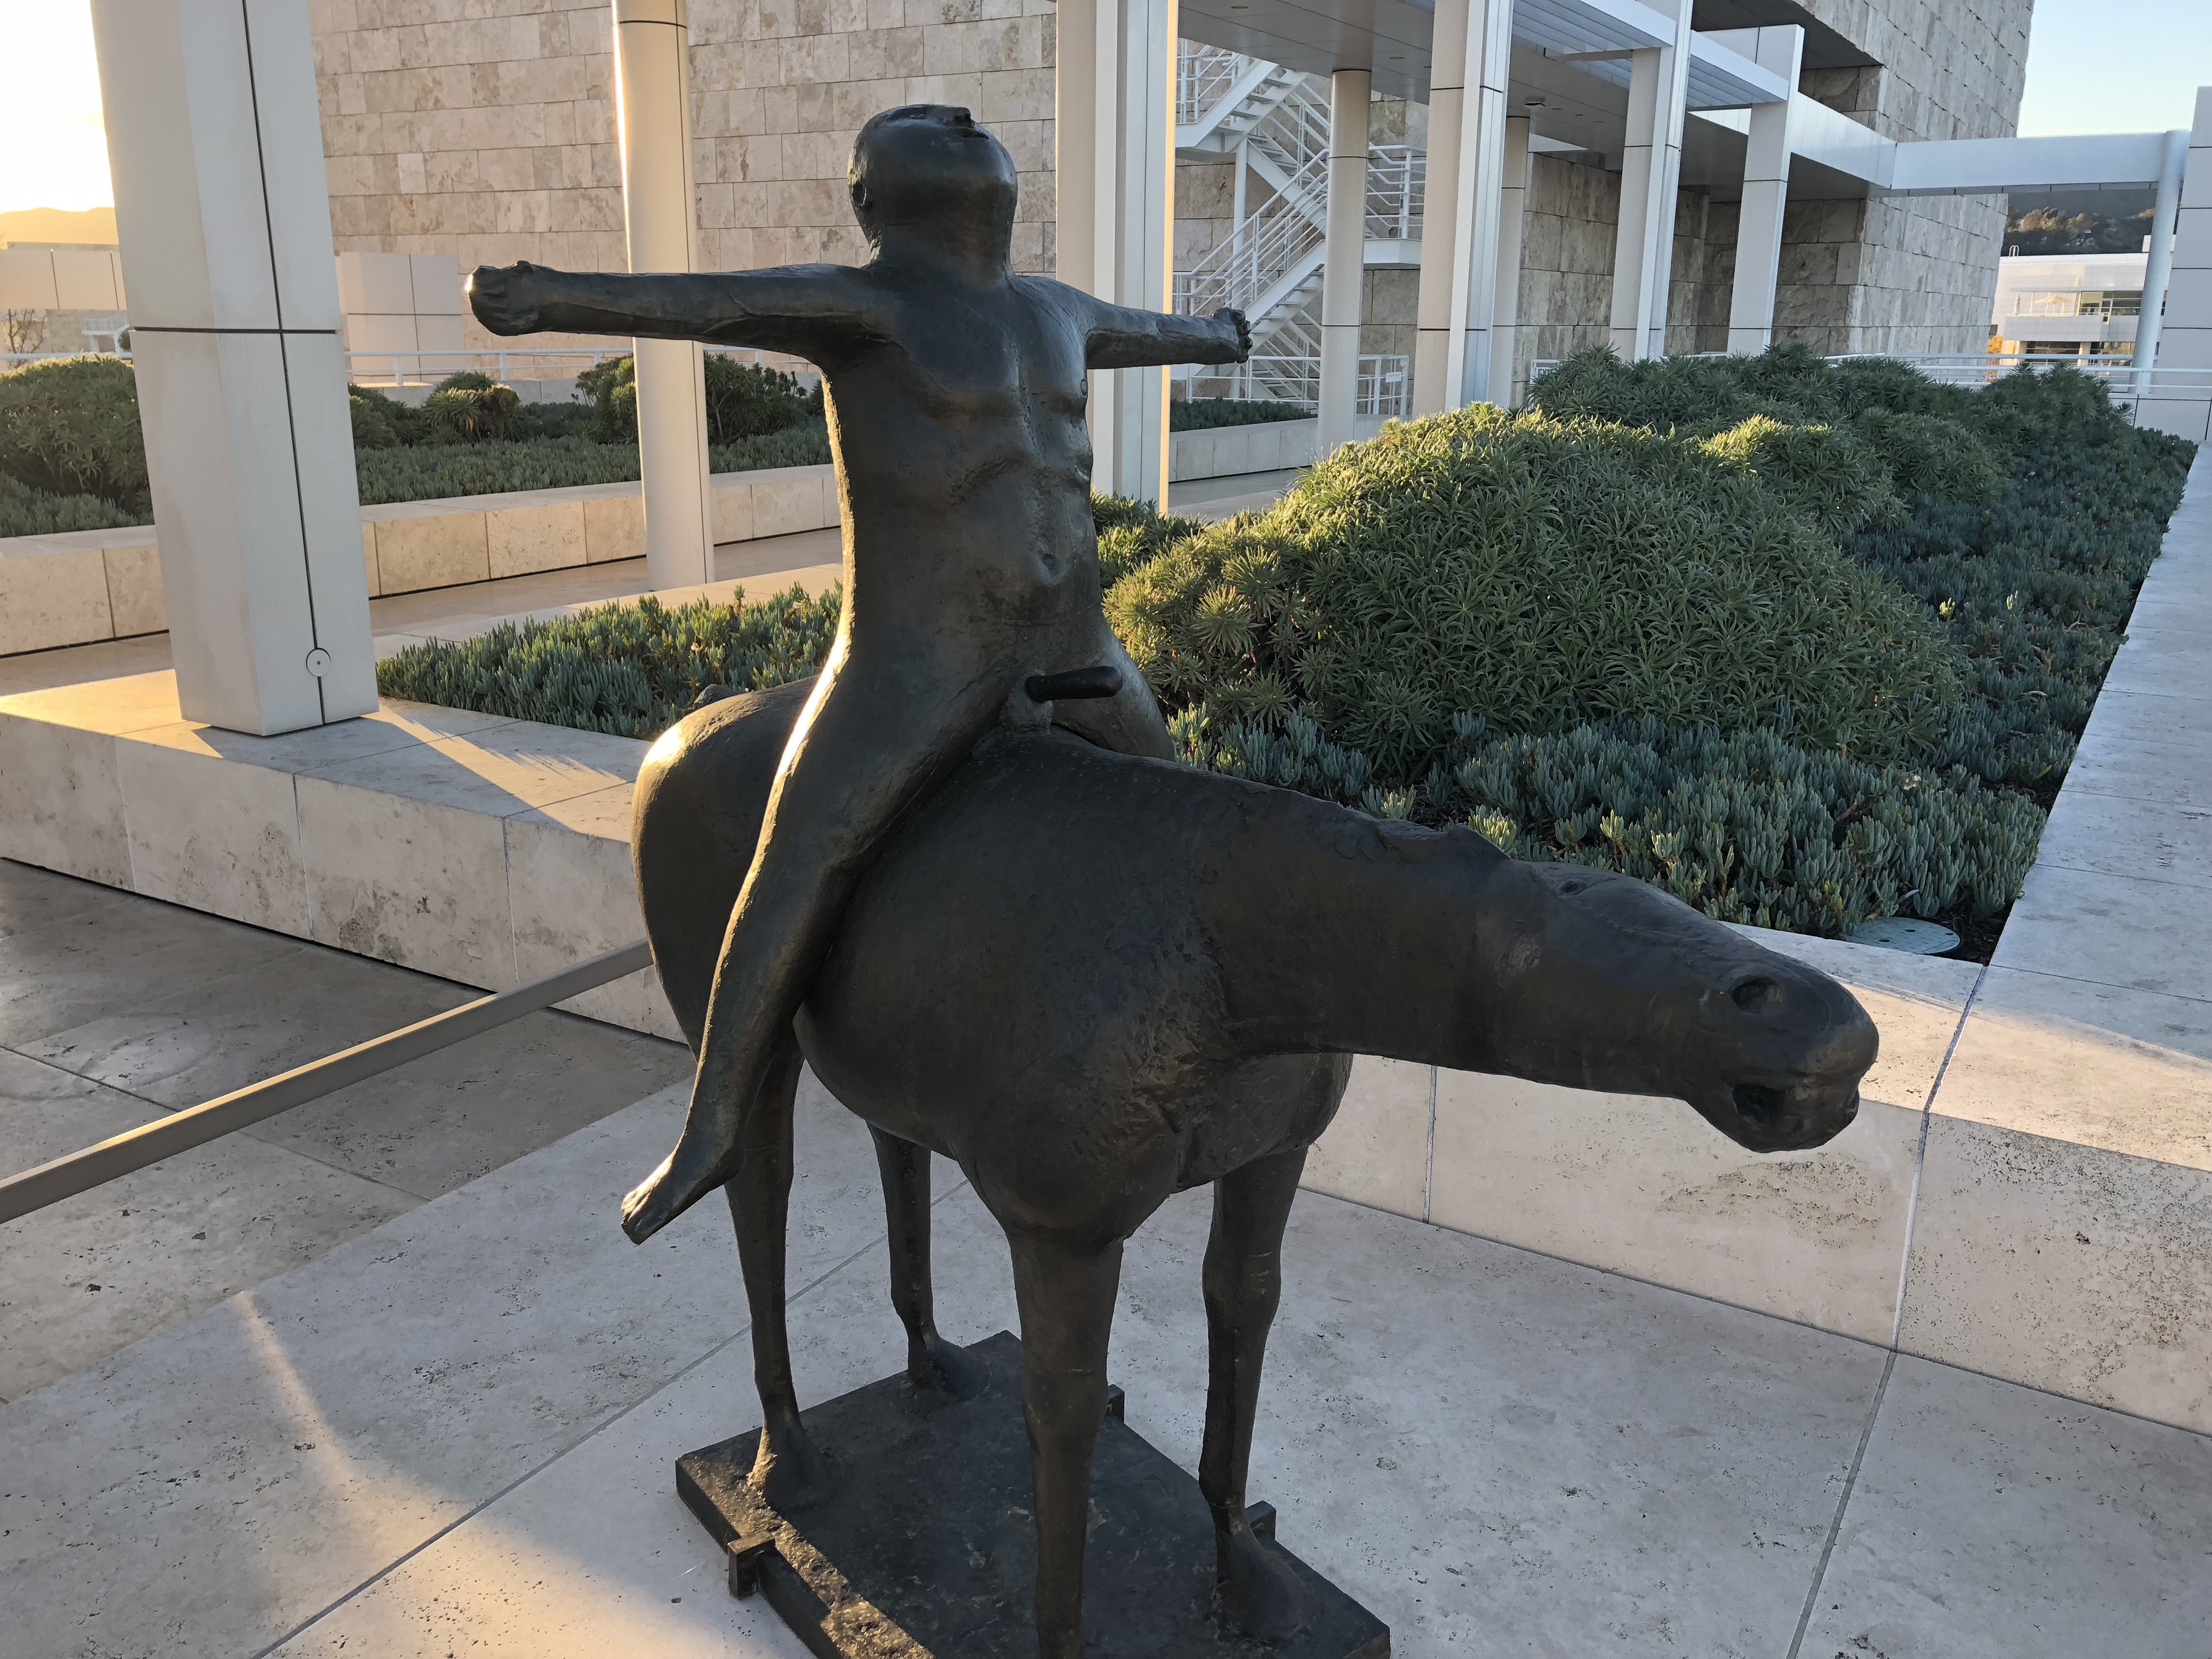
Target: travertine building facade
485	129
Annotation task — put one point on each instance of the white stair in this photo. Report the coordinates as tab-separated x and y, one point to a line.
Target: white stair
1270	267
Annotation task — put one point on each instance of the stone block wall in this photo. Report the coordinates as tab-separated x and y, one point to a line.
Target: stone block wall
485	129
781	89
1902	273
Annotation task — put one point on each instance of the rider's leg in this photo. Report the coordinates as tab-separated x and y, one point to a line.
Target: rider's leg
877	735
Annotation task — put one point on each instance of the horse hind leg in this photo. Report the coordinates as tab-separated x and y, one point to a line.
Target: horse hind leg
1261	1593
1066	1294
931	1363
788	1470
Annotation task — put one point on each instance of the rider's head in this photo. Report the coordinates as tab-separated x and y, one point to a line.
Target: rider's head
928	170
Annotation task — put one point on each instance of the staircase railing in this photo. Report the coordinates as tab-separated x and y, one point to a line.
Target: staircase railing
1264	250
1204	75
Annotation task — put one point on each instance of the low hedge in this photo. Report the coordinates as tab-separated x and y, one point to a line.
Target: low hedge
629	669
1203	413
72	457
27	512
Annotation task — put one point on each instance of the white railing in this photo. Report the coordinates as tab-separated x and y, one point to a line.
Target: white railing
1263	251
1397	177
2067	302
1381	391
1204	75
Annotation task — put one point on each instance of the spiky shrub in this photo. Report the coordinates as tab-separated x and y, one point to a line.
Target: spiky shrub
1854	439
1537	574
1749	827
69	426
744	400
470	408
630	670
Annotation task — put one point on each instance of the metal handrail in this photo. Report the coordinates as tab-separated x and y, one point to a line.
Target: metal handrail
80	1172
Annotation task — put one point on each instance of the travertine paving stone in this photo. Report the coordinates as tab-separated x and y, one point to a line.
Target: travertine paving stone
1991	1522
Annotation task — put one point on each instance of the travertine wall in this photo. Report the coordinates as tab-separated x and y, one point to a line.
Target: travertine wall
1907	274
484	129
1567	234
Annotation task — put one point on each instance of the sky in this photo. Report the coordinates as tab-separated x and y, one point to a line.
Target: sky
2092	66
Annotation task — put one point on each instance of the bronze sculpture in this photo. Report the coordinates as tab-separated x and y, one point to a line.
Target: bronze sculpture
1093	981
961	875
955	392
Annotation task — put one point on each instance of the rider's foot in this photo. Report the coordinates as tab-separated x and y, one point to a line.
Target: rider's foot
944	1368
705	1157
787	1471
1262	1594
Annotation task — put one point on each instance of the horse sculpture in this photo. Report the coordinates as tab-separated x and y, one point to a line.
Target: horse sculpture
1094	981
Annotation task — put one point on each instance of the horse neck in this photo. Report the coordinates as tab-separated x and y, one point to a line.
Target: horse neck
1338	932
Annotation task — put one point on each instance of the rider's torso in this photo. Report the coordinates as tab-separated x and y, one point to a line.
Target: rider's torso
964	458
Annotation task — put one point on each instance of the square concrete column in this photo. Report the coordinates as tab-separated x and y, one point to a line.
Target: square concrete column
1651	170
216	148
652	116
1114	180
1765	188
2181	402
1344	255
1505	314
1472	44
2158	265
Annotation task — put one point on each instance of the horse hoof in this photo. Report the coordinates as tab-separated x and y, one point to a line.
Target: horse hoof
1261	1593
944	1368
789	1474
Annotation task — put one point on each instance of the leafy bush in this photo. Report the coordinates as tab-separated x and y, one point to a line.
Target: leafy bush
1750	827
1130	532
27	512
630	670
744	400
423	472
798	445
1203	414
1845	440
468	408
69	426
1537	574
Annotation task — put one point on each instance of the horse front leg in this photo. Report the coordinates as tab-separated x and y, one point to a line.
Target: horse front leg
1065	1293
931	1363
788	1470
1260	1593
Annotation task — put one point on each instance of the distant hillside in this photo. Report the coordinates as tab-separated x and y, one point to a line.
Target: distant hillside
93	225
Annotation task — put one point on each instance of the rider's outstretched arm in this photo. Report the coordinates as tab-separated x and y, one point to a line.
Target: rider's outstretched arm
806	310
1115	337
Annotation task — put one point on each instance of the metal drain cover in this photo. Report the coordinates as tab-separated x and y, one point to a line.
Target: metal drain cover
1925	938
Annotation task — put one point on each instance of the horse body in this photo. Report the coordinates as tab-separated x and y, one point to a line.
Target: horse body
1093	981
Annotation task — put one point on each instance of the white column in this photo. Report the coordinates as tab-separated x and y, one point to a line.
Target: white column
2184	340
1114	160
1651	167
1471	57
2158	268
1505	314
1146	262
1344	254
1766	190
216	149
653	116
